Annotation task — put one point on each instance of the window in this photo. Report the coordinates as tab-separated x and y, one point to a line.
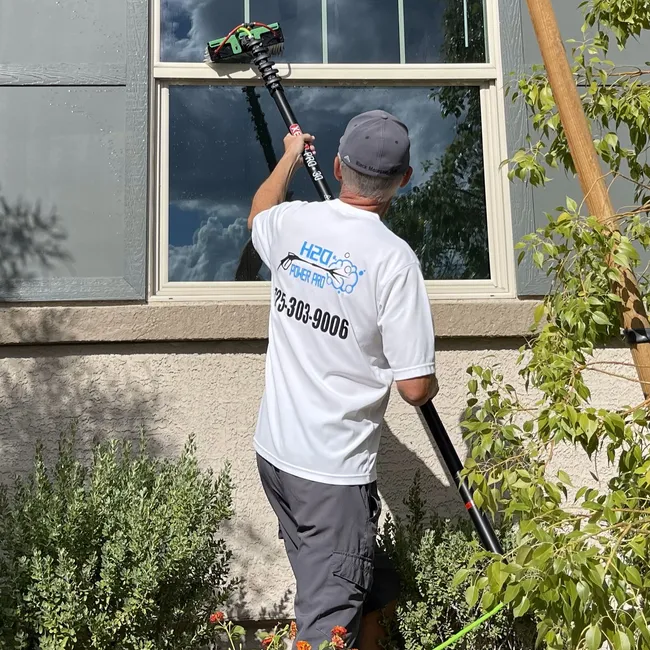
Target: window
432	63
73	128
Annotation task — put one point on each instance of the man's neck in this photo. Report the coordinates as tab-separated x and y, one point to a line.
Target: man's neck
364	203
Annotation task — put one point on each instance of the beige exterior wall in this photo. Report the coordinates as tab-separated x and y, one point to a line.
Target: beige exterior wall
212	390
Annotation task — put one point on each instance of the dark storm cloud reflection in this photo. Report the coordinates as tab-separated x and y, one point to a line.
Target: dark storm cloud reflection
358	31
187	25
216	162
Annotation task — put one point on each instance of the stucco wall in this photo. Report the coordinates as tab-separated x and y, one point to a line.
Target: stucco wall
212	391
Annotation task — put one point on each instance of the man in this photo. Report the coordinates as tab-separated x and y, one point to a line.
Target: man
349	316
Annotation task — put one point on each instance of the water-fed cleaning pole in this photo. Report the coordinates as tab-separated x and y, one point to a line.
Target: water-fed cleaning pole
266	68
269	74
454	466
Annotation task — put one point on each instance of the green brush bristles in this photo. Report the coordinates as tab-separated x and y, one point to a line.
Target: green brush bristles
242	57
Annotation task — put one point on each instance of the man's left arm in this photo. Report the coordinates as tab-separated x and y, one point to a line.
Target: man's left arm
273	190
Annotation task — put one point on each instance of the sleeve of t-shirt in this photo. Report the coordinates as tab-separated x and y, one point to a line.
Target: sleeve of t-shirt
266	228
406	325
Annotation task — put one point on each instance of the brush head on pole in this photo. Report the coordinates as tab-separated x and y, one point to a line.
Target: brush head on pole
231	51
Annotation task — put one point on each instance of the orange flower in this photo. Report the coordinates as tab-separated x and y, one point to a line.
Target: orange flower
267	641
338	642
293	630
339	630
303	645
217	617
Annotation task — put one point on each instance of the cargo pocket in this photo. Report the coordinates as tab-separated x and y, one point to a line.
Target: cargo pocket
355	569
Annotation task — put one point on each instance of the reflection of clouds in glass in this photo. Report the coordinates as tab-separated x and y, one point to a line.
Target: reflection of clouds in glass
429	132
216	163
187	25
213	254
214	153
301	25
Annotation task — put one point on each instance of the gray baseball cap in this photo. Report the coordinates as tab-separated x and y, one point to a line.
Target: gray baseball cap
376	143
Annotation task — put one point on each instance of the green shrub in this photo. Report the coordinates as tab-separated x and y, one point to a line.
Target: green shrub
428	552
123	554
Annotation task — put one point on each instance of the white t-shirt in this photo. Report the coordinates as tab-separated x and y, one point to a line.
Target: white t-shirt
349	314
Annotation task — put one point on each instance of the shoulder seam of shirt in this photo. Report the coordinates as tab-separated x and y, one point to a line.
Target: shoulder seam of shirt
394	275
406	266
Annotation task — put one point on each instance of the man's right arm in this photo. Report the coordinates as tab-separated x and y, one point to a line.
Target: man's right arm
407	332
273	190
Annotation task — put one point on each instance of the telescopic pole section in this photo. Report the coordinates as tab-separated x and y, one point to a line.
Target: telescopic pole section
434	423
311	164
592	180
452	461
269	74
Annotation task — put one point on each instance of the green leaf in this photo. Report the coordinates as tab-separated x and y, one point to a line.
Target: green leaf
638	545
621	641
642	627
487	601
460	577
512	591
583	591
600	318
538	258
633	575
471	595
523	555
593	638
522	607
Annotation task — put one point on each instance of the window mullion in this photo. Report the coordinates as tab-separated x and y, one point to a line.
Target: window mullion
324	31
401	28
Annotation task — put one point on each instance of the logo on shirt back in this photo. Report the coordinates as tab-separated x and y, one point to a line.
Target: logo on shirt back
321	267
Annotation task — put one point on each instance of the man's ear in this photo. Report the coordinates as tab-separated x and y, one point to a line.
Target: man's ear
407	177
337	169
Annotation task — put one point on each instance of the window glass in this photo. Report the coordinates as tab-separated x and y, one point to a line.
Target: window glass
225	140
357	31
188	25
56	220
363	31
444	31
301	25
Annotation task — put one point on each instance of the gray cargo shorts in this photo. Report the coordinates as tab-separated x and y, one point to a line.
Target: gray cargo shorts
329	532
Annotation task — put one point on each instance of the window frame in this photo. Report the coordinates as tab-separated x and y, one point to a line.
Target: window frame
488	77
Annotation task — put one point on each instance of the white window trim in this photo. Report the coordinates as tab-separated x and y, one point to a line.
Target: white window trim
488	77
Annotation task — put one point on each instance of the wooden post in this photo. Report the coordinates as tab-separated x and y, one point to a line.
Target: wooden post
587	163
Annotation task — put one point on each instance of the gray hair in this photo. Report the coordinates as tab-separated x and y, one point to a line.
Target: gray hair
371	187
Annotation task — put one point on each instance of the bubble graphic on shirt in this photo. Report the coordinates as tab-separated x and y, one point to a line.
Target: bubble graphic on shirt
344	275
